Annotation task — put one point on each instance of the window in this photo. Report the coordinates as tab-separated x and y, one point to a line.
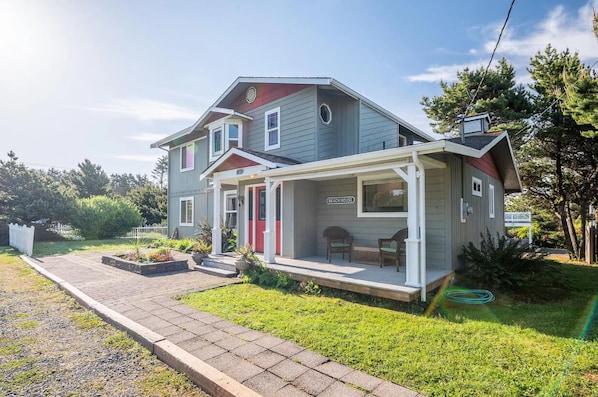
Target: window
187	155
325	113
272	124
491	201
476	186
230	209
382	197
186	207
224	134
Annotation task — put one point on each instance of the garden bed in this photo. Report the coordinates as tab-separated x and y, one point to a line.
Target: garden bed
145	268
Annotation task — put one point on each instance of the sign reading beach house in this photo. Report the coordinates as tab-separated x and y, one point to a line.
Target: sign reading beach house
340	200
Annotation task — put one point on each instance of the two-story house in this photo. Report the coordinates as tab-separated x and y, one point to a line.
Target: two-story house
281	159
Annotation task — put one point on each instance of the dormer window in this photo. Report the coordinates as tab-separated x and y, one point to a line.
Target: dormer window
224	134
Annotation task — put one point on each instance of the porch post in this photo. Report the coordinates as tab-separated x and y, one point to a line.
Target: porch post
412	242
270	232
216	227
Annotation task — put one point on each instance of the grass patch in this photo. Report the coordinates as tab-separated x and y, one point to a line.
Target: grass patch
87	320
27	324
16	364
121	340
9	349
48	248
165	382
505	348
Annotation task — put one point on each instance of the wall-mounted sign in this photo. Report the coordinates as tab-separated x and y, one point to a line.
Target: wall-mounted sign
340	200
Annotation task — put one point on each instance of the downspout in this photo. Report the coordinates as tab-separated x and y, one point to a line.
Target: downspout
422	223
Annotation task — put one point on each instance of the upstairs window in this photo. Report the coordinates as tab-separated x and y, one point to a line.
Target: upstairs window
224	134
187	156
325	114
272	129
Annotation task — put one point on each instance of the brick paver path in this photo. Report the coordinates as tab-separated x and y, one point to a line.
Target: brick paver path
269	365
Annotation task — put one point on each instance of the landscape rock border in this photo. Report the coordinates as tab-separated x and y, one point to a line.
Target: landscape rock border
145	268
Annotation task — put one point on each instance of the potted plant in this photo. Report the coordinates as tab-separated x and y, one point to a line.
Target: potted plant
245	257
200	251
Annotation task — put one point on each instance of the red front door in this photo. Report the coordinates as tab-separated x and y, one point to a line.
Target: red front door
257	217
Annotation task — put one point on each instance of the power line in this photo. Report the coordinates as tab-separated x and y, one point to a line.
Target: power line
491	58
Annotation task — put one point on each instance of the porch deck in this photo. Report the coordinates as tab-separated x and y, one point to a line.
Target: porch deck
372	280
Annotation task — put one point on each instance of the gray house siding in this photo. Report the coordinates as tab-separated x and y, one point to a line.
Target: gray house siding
437	219
299	219
297	126
187	184
461	174
340	137
377	131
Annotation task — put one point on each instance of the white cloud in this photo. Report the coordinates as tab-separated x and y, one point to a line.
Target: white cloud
145	159
444	73
146	137
148	109
562	29
559	29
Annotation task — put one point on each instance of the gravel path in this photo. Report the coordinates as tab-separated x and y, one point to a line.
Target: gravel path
50	346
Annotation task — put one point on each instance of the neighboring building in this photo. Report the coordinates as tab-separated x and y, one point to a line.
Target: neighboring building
281	159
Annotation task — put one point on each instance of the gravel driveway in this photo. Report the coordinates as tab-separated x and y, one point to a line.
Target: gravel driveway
49	345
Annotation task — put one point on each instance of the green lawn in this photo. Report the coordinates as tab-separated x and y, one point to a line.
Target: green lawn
47	248
504	348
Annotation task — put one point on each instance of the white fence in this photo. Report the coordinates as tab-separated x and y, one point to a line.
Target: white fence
520	219
148	232
21	238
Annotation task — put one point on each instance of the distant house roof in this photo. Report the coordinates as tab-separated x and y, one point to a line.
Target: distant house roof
242	83
475	141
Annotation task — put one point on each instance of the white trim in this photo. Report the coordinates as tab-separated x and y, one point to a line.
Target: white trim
224	124
402	138
491	201
187	145
476	187
189	198
267	131
325	105
241	153
361	214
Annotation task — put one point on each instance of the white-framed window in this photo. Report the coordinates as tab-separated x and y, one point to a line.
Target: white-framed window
491	201
476	186
325	114
230	209
224	134
272	129
186	211
187	157
382	197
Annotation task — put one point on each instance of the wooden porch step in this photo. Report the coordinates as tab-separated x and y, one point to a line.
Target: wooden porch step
215	271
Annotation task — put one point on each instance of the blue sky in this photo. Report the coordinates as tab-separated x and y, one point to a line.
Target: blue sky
103	79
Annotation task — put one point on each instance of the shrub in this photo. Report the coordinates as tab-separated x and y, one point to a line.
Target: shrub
261	275
508	265
102	217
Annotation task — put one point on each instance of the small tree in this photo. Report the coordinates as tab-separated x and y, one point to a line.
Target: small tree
102	217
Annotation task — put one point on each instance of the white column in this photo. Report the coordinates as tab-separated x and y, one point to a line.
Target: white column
270	232
216	216
412	243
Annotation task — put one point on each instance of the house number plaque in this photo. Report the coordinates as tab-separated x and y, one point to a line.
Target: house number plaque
340	200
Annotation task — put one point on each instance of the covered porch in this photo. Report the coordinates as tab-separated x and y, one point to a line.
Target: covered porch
366	279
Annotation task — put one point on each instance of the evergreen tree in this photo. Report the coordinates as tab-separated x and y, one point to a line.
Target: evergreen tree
160	171
151	202
507	102
90	180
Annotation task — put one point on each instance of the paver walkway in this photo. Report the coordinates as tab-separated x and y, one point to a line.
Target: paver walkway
268	365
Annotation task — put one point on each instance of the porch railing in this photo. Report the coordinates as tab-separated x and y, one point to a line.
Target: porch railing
520	219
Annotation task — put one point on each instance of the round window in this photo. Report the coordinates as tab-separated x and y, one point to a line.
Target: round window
251	94
325	113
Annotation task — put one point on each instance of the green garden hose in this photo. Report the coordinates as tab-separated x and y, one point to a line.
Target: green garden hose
469	296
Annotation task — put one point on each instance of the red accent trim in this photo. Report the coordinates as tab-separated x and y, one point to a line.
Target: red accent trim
266	93
485	164
233	162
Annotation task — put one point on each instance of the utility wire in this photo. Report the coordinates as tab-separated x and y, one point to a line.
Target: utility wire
491	58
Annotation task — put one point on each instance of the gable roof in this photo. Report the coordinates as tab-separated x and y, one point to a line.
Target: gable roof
240	158
242	83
